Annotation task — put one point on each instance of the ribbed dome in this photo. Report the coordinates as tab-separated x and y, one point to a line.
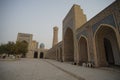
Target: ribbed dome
42	45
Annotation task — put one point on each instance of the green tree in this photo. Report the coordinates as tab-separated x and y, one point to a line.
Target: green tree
14	48
10	48
21	48
2	48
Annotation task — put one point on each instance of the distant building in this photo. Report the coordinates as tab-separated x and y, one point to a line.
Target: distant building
33	50
24	37
41	51
33	46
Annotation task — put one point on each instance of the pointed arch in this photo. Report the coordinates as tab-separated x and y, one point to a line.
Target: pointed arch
107	48
68	45
35	54
41	55
83	50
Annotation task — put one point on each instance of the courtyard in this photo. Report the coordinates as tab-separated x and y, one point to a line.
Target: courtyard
44	69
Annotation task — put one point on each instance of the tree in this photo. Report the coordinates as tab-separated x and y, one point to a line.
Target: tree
10	48
21	48
2	48
14	48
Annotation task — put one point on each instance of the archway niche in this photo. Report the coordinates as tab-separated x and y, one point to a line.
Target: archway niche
108	51
83	51
57	54
68	45
61	54
35	54
41	56
107	47
25	41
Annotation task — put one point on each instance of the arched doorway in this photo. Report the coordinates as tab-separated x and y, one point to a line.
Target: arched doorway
35	54
83	52
41	55
61	54
57	54
24	42
107	47
108	51
68	45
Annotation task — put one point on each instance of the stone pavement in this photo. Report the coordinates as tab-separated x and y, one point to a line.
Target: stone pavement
31	69
44	69
87	73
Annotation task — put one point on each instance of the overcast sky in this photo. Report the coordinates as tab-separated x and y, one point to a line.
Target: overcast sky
38	17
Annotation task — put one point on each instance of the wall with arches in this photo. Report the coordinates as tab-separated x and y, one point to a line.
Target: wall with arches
96	41
101	35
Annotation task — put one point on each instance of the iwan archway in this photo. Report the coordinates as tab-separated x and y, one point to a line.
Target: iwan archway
83	50
107	51
57	54
68	45
61	54
35	54
41	56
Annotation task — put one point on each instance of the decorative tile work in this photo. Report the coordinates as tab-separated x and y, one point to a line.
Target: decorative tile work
107	20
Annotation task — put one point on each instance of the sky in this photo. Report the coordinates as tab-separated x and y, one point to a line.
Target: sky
38	17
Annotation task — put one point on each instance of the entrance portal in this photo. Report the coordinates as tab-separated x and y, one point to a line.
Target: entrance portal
68	45
108	51
61	54
41	55
35	54
83	52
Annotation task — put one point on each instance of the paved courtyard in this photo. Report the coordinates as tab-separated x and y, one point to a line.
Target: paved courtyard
41	69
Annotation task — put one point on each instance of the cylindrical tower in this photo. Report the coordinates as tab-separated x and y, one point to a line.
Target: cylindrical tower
55	35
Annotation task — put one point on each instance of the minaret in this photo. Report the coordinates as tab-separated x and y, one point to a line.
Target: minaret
55	35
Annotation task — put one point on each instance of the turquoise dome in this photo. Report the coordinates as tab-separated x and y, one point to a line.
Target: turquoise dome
42	45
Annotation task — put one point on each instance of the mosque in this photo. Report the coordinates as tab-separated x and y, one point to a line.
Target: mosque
33	50
96	41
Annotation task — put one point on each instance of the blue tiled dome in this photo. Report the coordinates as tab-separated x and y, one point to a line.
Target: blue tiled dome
42	45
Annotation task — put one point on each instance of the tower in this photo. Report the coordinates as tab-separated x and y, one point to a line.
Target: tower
73	21
55	35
